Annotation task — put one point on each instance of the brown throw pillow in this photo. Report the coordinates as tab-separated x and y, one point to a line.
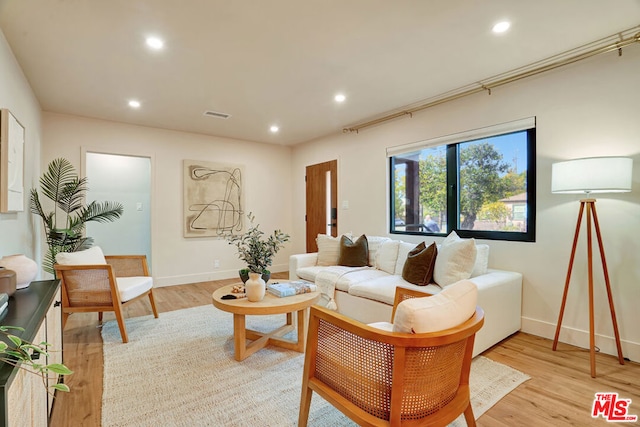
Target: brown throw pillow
418	269
354	254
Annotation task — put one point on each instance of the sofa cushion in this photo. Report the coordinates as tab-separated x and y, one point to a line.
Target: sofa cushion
481	265
383	289
309	273
387	256
131	287
355	275
91	256
418	269
455	260
375	243
403	250
354	254
328	249
449	308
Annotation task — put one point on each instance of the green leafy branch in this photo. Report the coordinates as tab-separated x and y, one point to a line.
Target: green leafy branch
25	355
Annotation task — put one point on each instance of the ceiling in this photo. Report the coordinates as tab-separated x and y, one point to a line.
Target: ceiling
282	61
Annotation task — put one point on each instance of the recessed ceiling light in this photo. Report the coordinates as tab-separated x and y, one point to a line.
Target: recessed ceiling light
134	104
155	43
339	97
274	129
501	27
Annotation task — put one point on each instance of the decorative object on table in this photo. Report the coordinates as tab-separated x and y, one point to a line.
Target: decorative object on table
4	302
11	163
25	268
7	281
287	289
255	287
244	275
591	175
61	184
213	201
256	251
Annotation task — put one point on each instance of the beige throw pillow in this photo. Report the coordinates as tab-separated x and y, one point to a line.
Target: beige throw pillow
91	256
455	260
328	249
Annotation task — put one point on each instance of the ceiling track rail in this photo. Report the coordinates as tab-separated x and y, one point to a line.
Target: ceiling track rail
486	85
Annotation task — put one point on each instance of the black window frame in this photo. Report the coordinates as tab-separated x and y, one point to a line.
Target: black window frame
453	208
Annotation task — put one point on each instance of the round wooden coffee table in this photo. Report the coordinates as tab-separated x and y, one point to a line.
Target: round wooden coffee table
271	304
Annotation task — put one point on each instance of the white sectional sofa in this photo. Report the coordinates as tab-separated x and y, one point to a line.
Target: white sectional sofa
366	293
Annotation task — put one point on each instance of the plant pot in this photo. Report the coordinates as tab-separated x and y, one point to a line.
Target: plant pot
255	287
26	269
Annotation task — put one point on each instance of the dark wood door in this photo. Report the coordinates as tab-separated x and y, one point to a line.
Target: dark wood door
322	201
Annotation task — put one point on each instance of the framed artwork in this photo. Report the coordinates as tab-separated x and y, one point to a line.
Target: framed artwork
213	198
11	163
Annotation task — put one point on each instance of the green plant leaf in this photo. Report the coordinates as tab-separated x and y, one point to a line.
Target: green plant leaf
4	328
59	368
3	346
61	387
16	340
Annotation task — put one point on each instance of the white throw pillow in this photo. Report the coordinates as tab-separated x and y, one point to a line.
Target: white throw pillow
387	255
328	249
455	261
91	256
374	243
481	265
451	307
403	251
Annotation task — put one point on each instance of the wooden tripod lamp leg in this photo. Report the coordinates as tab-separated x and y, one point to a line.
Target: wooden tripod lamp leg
566	283
607	283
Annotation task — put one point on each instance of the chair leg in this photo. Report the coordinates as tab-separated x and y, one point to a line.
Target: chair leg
99	317
468	416
123	329
305	403
153	304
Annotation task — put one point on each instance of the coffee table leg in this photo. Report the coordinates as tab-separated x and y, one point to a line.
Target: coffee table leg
301	330
239	336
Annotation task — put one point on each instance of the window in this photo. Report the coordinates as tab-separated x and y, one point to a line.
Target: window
480	184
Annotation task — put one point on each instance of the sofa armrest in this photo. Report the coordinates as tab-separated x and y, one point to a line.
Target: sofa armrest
299	261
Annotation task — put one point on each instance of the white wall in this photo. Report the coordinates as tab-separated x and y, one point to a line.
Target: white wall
586	109
16	229
176	259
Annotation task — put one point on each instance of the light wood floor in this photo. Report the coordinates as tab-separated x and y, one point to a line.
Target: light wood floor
559	393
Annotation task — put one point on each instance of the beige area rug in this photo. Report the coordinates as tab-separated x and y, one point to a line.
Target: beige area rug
179	370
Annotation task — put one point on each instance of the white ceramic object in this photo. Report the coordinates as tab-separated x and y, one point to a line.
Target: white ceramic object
255	287
26	269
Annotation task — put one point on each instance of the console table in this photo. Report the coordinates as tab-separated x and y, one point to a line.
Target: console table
37	309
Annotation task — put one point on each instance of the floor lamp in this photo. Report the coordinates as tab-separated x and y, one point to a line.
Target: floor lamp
591	175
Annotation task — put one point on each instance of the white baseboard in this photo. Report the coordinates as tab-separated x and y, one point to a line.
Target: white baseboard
207	276
580	338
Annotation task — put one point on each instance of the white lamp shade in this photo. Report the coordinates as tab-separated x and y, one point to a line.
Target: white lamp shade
592	175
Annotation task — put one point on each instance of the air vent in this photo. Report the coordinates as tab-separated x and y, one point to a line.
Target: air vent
217	114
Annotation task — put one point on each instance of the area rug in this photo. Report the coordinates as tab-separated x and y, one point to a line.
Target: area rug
179	370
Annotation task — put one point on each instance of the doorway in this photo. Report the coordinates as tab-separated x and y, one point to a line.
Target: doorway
127	180
322	201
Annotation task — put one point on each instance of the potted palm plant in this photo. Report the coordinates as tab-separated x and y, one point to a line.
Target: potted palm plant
64	226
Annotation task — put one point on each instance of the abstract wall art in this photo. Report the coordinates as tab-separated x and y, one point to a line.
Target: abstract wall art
213	198
11	163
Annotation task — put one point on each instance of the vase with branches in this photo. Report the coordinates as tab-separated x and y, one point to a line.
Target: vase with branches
257	249
65	226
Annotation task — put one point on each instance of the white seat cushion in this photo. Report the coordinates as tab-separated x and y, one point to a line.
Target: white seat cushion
91	256
131	287
451	307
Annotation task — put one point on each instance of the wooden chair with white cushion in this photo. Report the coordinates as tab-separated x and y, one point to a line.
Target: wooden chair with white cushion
92	282
414	371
